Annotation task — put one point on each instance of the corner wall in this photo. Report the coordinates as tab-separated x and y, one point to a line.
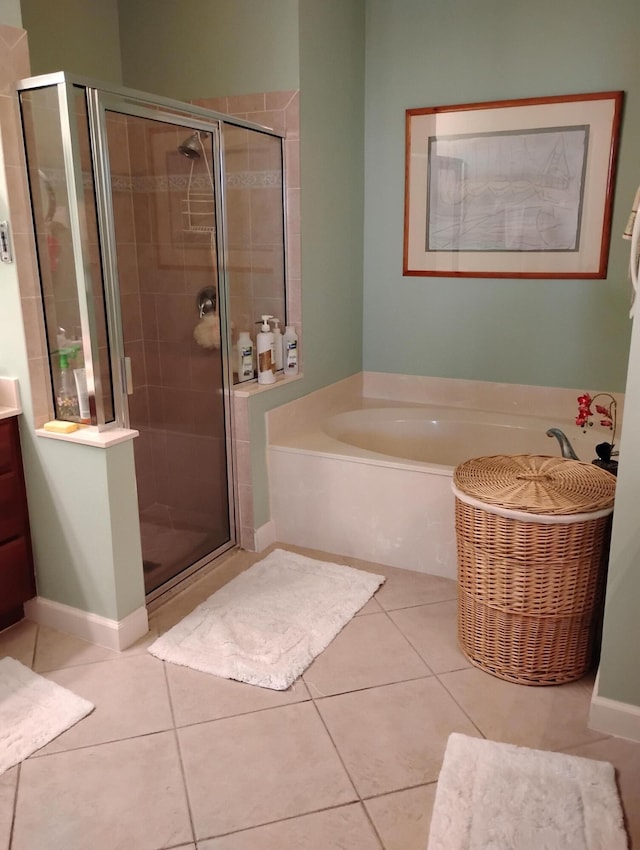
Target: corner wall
209	48
84	527
74	36
232	47
331	44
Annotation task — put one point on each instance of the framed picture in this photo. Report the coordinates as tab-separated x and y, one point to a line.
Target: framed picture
513	188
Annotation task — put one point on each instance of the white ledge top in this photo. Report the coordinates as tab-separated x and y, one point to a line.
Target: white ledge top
250	388
89	436
6	412
9	398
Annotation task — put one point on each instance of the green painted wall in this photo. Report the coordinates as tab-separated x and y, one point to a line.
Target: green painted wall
620	661
84	516
10	13
209	48
332	156
74	35
332	162
572	333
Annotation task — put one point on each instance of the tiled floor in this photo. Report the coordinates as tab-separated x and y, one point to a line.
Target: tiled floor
347	758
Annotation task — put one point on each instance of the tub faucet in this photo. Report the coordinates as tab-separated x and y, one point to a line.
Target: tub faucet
565	446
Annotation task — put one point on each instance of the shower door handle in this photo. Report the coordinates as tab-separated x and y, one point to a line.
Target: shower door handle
127	376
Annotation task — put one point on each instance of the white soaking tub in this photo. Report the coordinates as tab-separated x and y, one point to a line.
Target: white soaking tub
375	482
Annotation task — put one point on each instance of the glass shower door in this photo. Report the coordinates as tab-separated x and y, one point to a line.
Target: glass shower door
164	213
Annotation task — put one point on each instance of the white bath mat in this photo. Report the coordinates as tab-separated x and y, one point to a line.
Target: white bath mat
269	623
33	711
500	797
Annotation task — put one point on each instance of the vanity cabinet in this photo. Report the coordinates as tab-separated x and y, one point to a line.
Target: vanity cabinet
17	583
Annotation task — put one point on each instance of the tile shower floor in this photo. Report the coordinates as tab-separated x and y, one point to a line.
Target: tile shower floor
348	757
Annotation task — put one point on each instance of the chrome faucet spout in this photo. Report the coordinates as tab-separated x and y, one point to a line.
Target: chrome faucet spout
565	446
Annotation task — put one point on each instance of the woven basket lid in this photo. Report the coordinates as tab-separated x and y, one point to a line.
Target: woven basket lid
536	484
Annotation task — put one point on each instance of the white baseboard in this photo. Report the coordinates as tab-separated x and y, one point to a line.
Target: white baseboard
613	717
113	634
265	536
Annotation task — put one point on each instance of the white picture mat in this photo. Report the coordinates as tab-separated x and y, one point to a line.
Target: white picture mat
598	114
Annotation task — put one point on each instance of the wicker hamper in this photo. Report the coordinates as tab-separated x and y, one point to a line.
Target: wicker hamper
532	537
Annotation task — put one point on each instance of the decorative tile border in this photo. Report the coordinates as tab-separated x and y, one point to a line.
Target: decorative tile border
173	182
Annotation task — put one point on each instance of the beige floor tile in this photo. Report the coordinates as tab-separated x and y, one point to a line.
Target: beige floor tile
8	782
262	767
19	642
588	681
55	650
546	718
625	757
403	818
371	607
404	588
197	697
394	736
118	796
130	697
369	651
343	828
433	632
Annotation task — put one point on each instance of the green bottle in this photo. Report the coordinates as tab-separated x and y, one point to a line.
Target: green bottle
66	400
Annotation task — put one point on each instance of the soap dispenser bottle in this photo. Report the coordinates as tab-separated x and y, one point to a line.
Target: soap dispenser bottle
266	355
244	354
277	343
67	407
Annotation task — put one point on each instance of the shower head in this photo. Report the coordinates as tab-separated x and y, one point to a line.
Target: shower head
190	146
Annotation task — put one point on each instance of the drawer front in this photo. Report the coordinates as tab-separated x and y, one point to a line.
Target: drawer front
13	517
16	576
8	445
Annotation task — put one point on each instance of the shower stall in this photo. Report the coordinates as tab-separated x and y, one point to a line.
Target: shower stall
153	253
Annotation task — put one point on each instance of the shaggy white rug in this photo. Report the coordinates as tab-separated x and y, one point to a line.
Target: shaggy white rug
33	711
268	624
500	797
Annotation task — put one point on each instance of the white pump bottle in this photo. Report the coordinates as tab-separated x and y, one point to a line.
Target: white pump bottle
266	354
277	343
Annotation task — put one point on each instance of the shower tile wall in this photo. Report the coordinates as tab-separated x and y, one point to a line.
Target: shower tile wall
14	65
254	208
280	111
160	274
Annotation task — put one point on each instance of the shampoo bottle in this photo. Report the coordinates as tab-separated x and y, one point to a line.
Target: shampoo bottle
290	348
277	343
266	355
244	354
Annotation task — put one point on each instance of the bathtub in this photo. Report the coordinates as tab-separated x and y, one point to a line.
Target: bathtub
375	482
440	436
